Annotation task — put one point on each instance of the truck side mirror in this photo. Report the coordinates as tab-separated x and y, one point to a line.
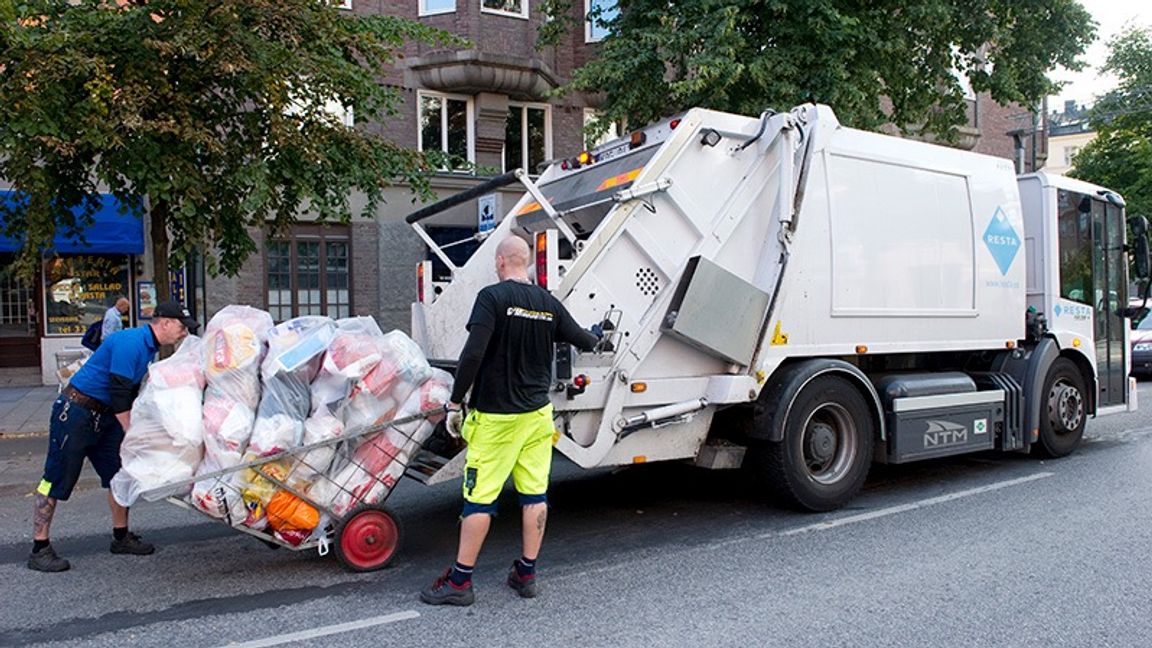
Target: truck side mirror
1140	251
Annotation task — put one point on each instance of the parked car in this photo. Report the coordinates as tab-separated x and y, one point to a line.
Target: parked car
1142	347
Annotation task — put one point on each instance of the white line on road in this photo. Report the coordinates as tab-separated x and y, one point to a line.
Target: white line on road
903	508
324	631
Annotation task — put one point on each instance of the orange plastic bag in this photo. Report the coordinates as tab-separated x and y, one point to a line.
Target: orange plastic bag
288	513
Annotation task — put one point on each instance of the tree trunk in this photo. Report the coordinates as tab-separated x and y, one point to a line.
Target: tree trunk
158	216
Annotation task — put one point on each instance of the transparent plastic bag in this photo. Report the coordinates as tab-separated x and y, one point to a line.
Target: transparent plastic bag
165	440
234	344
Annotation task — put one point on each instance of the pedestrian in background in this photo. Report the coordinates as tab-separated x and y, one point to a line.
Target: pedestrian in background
114	318
88	420
507	363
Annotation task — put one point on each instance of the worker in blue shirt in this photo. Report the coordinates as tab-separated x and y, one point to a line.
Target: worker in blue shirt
88	420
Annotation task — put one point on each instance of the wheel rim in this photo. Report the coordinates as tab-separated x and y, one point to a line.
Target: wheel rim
1065	407
829	443
369	539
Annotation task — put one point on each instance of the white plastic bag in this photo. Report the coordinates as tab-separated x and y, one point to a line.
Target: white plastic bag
379	460
233	350
295	352
165	440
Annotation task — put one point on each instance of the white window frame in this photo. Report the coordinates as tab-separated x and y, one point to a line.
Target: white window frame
522	106
421	95
588	37
522	14
423	10
344	4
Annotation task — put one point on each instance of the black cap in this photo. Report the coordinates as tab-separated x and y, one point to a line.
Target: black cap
175	310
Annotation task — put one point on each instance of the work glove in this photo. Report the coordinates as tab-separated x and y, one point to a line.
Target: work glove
454	420
597	330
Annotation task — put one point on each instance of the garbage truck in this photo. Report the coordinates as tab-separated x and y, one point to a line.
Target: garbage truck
802	299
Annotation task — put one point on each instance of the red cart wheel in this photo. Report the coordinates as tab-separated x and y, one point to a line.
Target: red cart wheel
367	538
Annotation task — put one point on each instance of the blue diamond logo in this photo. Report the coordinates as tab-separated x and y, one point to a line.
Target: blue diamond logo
1002	241
1057	310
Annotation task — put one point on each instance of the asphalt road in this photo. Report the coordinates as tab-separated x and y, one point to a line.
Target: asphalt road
987	550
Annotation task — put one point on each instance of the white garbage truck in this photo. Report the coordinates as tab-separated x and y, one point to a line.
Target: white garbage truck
804	299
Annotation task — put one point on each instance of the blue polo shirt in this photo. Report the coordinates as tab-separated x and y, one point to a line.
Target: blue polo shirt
125	353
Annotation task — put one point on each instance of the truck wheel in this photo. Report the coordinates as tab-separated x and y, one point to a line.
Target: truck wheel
1063	410
366	540
827	448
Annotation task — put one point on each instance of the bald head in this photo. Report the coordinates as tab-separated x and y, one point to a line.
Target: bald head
512	257
122	304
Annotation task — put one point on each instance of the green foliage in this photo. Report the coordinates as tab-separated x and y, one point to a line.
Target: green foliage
216	112
873	62
1120	157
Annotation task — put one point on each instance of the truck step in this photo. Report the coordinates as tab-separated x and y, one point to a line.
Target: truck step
720	455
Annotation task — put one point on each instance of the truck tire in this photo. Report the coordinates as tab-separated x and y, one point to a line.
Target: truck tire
1063	410
826	452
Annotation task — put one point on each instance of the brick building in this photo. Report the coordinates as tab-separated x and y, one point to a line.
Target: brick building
488	102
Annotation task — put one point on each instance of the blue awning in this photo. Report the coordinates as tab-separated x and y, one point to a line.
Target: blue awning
110	232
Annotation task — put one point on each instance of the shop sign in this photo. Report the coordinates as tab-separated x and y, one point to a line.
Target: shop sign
80	288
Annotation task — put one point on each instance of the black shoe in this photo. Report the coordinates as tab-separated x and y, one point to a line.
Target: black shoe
132	544
525	586
445	592
46	560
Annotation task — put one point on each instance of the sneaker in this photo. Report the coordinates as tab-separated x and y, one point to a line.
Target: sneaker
46	560
525	586
445	592
132	544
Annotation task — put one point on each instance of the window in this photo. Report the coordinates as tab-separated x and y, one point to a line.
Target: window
446	125
527	136
433	7
597	15
79	288
308	273
1070	154
513	8
613	132
1074	221
344	4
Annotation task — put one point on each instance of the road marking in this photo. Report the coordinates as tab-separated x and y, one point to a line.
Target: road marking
904	508
324	631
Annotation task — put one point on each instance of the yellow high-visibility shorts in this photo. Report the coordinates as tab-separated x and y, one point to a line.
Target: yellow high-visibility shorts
500	445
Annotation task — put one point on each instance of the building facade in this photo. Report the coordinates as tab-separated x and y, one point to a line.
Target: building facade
489	102
1068	133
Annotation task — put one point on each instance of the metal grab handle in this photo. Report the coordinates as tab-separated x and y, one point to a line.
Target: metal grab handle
464	196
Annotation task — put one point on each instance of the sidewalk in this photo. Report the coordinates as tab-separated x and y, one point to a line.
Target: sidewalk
24	411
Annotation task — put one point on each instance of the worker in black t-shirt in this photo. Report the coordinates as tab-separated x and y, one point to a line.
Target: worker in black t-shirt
507	362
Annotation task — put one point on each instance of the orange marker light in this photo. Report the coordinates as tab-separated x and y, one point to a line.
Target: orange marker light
861	349
639	387
639	459
542	259
585	158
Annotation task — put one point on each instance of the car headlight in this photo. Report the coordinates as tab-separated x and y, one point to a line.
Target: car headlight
1142	346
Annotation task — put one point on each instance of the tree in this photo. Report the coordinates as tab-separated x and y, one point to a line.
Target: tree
209	118
1120	157
873	62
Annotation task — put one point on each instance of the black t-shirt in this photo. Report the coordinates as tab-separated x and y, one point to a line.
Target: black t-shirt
507	359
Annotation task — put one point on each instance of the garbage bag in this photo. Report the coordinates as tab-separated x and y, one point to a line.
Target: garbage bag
164	441
379	461
291	518
355	350
295	353
234	343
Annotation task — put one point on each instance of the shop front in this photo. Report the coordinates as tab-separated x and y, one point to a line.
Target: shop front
81	277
